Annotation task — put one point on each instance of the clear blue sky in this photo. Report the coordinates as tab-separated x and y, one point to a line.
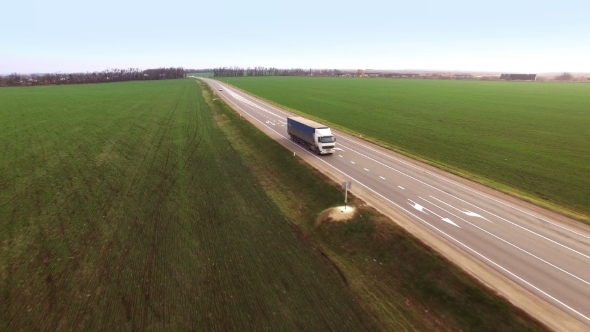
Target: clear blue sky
509	36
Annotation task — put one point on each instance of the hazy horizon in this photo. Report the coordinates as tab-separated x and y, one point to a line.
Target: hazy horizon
504	36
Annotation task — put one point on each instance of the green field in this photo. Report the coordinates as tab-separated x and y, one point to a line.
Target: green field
529	138
124	207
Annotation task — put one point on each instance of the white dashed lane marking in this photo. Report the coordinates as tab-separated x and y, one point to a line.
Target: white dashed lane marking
400	187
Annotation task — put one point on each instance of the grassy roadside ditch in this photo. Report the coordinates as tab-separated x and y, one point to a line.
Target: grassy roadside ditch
403	283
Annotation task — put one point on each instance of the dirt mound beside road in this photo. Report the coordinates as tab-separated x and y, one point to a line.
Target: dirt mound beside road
338	213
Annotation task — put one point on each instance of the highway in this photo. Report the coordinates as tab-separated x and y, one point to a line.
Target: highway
510	245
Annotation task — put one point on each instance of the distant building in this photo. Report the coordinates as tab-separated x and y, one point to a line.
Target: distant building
518	77
401	75
393	75
463	76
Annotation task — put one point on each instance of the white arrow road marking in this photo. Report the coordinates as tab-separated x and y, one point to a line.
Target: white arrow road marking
447	220
417	206
423	209
450	222
469	213
473	214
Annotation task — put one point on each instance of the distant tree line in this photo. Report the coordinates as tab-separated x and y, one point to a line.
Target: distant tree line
110	75
205	70
565	77
270	71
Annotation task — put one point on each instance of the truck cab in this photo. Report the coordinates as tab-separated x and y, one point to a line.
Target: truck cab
325	140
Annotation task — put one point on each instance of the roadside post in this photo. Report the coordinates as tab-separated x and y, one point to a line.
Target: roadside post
346	186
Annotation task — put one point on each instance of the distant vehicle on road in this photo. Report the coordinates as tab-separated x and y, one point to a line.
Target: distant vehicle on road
220	89
315	136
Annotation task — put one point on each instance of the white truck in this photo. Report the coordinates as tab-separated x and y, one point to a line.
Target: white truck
315	136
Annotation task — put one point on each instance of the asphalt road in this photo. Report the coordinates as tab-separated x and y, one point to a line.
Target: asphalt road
546	254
